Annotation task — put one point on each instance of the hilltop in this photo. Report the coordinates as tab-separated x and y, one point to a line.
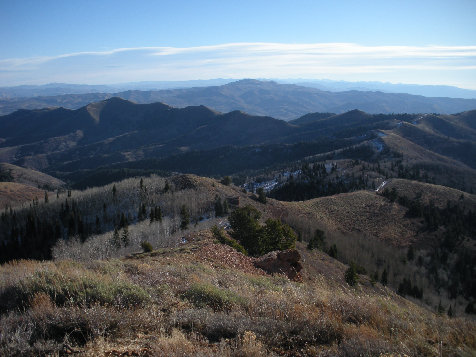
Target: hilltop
205	298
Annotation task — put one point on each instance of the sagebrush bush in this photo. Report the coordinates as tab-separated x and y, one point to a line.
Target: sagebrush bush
202	295
82	289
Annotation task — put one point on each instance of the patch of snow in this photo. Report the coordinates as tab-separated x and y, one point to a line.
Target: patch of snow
381	186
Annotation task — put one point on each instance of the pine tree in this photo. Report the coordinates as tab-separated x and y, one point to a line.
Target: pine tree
46	197
410	253
450	311
218	207
440	308
384	278
333	251
116	241
125	236
98	225
185	217
158	214
114	191
317	241
351	275
261	195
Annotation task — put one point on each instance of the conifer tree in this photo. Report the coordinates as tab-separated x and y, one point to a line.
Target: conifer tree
158	213
261	195
351	275
116	241
185	217
125	236
384	278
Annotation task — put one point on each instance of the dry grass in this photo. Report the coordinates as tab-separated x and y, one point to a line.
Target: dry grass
362	212
198	305
12	194
437	194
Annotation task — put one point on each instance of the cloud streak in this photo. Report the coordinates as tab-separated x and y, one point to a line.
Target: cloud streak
453	65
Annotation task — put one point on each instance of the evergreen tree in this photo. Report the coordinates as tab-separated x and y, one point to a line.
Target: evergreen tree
351	275
116	241
226	181
46	197
114	191
410	253
277	236
261	195
219	211
98	226
225	207
384	278
184	217
246	229
158	213
450	311
125	236
333	251
123	222
440	308
317	241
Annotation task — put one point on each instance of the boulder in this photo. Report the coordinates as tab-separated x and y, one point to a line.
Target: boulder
285	262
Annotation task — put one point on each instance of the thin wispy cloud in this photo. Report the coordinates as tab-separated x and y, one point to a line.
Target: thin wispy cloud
453	65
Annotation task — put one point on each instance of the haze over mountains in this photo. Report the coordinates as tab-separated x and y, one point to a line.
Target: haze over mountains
283	101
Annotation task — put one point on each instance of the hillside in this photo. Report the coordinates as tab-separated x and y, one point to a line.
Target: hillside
203	298
266	98
114	139
29	177
12	194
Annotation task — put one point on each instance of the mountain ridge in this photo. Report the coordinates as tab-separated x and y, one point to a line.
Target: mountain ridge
284	101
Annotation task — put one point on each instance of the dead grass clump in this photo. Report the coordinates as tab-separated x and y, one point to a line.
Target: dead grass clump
175	344
250	346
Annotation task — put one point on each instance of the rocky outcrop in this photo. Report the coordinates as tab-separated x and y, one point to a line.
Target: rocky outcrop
285	262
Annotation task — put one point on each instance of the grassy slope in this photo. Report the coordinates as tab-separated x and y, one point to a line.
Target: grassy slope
12	193
31	177
204	298
362	212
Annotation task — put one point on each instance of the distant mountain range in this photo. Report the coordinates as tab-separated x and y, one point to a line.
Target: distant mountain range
283	101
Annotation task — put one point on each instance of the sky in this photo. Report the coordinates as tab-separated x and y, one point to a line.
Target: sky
108	42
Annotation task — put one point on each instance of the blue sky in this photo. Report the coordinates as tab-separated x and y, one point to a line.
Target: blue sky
101	42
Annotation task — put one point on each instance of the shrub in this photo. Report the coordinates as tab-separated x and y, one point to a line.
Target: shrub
219	235
146	247
85	289
318	240
202	295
